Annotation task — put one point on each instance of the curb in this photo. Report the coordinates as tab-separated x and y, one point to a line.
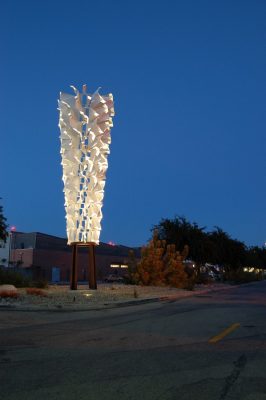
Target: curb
59	308
120	304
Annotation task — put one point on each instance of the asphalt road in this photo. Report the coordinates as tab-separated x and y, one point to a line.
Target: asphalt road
209	347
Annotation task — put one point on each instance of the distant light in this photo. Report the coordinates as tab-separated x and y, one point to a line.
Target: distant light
87	294
118	265
13	228
111	243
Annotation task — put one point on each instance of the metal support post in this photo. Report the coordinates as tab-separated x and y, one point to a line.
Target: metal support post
74	271
92	267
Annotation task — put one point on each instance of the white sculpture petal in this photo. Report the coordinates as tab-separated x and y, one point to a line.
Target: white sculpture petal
85	122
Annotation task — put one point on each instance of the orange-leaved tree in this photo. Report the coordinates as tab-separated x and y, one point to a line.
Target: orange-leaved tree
161	264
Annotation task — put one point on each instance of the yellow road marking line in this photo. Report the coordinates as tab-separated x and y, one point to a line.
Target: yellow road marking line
221	335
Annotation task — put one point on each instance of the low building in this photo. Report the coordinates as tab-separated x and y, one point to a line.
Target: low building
49	257
4	252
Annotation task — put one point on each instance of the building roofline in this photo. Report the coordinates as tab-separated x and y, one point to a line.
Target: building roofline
65	238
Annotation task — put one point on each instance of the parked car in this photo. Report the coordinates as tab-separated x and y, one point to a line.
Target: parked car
114	279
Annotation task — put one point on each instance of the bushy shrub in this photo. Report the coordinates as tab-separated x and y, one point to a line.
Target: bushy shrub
203	278
41	284
11	277
241	276
162	265
9	294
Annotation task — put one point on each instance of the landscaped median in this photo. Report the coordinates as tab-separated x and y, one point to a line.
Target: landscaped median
107	295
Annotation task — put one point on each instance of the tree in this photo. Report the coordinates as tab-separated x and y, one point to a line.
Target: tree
228	253
175	274
3	225
181	232
255	257
216	247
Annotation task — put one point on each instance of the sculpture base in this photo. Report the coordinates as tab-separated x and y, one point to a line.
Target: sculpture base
91	266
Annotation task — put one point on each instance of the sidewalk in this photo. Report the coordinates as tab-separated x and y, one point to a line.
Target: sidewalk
61	298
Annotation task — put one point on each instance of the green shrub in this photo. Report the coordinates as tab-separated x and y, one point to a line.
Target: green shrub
13	278
41	284
241	276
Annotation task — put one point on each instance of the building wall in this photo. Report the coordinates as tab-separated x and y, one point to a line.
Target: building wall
21	257
46	256
20	240
43	261
4	252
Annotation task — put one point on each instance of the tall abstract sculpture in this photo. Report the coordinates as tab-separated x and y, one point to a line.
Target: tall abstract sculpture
85	123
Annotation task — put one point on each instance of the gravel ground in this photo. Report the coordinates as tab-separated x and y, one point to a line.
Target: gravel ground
61	297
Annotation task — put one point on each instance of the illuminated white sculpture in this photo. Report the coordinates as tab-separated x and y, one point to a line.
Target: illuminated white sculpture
85	123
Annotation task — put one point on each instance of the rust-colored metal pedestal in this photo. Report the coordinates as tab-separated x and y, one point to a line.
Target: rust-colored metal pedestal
91	266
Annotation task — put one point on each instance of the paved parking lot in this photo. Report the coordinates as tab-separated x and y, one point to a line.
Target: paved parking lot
211	346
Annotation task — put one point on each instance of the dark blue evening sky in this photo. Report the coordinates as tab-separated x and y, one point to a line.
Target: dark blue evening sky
188	79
